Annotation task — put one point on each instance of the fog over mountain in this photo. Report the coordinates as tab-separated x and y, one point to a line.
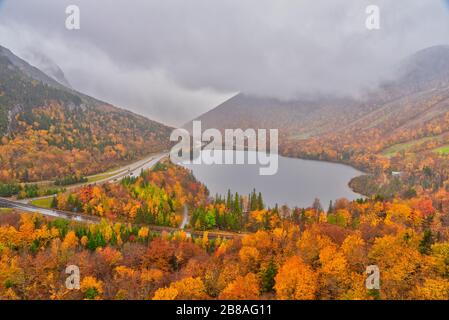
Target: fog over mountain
48	66
174	60
422	79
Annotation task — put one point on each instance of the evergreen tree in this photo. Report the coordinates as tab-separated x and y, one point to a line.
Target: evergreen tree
317	206
331	208
237	204
54	202
253	201
267	276
229	200
260	204
426	243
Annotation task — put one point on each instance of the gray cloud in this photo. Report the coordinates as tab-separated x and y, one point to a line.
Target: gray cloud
174	59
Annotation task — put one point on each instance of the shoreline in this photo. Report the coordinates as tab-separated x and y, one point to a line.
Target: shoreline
348	183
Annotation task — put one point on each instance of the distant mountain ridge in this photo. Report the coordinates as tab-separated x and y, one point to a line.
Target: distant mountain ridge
420	78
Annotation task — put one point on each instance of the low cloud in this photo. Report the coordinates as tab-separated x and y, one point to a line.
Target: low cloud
174	59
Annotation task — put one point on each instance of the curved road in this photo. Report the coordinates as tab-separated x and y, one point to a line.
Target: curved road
5	203
79	217
131	170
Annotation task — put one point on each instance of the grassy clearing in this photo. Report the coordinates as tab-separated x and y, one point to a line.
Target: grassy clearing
393	150
444	150
43	203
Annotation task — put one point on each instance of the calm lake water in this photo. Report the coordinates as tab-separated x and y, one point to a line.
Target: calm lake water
297	182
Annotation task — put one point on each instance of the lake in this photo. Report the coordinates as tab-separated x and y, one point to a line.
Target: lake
297	182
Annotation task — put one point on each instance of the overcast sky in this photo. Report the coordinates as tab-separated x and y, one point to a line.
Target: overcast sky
172	60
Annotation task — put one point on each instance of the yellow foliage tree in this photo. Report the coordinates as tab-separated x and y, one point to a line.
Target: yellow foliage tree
249	256
296	281
433	289
165	294
185	289
70	241
242	288
92	288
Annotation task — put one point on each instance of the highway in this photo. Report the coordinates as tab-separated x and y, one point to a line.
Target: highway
111	175
131	170
83	218
5	203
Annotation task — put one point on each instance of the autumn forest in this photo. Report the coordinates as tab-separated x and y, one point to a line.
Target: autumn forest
84	183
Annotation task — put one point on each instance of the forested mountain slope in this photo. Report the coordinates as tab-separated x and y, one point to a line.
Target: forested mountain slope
418	94
49	131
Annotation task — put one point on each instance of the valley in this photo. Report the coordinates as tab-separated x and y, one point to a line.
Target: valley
151	229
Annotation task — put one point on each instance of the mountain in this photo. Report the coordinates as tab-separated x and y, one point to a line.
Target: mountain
418	94
428	68
48	130
302	118
14	64
48	66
